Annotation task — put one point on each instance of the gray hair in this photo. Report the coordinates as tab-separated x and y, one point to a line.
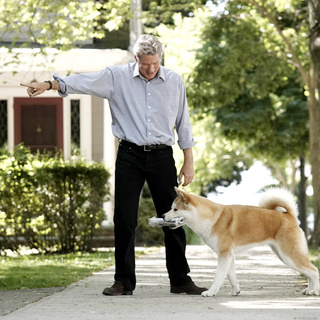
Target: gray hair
147	44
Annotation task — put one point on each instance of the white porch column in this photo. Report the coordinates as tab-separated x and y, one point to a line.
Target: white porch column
86	127
109	157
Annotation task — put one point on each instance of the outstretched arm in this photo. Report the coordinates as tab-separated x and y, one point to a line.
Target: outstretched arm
37	88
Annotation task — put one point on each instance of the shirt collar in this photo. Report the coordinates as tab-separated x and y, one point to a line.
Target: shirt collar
160	73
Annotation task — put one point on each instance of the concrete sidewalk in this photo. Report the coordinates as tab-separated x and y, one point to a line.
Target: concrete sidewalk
269	290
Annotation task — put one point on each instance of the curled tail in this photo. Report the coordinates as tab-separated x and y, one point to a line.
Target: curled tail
279	199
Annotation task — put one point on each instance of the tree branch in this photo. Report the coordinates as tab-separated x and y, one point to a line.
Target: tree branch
264	11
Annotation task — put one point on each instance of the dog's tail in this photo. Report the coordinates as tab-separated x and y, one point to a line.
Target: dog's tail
279	199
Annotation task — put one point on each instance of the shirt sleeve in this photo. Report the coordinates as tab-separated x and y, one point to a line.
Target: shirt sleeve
100	84
183	124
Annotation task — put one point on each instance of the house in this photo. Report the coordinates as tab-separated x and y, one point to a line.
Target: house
49	121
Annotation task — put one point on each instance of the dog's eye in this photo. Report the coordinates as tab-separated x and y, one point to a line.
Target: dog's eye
175	209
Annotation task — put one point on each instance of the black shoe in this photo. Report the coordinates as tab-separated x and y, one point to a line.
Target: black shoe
118	289
189	288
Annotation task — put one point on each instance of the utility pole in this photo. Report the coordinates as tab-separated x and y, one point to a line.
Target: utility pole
135	22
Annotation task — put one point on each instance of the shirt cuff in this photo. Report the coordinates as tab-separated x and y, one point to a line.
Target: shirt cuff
186	144
63	87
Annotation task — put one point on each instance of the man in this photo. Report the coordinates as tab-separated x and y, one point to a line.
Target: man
147	102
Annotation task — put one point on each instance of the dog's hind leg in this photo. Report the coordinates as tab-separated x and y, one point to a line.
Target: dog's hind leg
296	257
224	263
313	281
276	251
233	278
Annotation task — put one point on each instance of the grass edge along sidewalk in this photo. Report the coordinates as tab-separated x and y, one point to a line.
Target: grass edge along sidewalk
60	270
32	271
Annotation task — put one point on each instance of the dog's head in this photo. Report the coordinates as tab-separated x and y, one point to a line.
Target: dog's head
181	207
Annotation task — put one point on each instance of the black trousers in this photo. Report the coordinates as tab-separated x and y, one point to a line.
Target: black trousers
133	168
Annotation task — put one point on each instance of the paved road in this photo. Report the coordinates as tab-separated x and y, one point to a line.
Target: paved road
269	290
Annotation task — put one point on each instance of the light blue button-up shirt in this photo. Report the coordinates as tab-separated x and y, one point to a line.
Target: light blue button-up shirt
143	112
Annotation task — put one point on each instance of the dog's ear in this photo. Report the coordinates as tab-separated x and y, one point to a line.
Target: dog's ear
182	195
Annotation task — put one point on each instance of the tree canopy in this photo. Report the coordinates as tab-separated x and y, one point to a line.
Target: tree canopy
255	94
60	24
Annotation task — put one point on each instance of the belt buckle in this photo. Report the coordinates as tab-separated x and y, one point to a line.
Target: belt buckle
146	148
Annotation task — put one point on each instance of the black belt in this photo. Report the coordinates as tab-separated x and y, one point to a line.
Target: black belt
148	147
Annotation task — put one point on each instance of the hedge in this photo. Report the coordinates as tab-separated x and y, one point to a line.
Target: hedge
48	203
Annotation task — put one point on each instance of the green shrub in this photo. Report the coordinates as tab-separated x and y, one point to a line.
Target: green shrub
18	204
145	234
48	203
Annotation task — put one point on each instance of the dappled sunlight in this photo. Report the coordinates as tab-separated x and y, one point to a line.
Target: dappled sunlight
303	303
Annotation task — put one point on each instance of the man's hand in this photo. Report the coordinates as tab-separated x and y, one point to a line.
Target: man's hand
187	170
37	88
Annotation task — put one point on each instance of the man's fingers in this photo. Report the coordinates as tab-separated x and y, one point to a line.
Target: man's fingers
186	181
26	85
33	89
35	93
30	88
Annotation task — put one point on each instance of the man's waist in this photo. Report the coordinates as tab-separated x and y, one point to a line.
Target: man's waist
147	147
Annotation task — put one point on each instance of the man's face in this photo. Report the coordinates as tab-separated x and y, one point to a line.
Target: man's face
148	65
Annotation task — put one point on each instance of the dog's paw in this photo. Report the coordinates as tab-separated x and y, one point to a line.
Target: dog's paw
207	294
235	292
310	292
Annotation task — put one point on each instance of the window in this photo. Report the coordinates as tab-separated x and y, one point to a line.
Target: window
75	125
3	123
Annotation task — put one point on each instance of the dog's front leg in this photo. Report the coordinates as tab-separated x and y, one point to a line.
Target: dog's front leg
233	278
224	262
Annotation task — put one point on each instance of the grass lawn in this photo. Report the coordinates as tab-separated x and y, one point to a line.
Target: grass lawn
54	270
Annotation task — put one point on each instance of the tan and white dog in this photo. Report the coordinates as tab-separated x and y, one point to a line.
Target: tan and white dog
227	229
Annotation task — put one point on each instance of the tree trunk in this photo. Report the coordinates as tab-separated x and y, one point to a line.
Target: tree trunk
293	176
302	196
314	106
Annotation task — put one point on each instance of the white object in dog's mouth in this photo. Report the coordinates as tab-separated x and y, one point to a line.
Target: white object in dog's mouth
173	223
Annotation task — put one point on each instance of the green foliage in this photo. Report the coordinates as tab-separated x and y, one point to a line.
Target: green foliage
48	203
218	161
275	127
246	99
156	12
67	24
64	24
61	23
243	76
145	234
234	59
